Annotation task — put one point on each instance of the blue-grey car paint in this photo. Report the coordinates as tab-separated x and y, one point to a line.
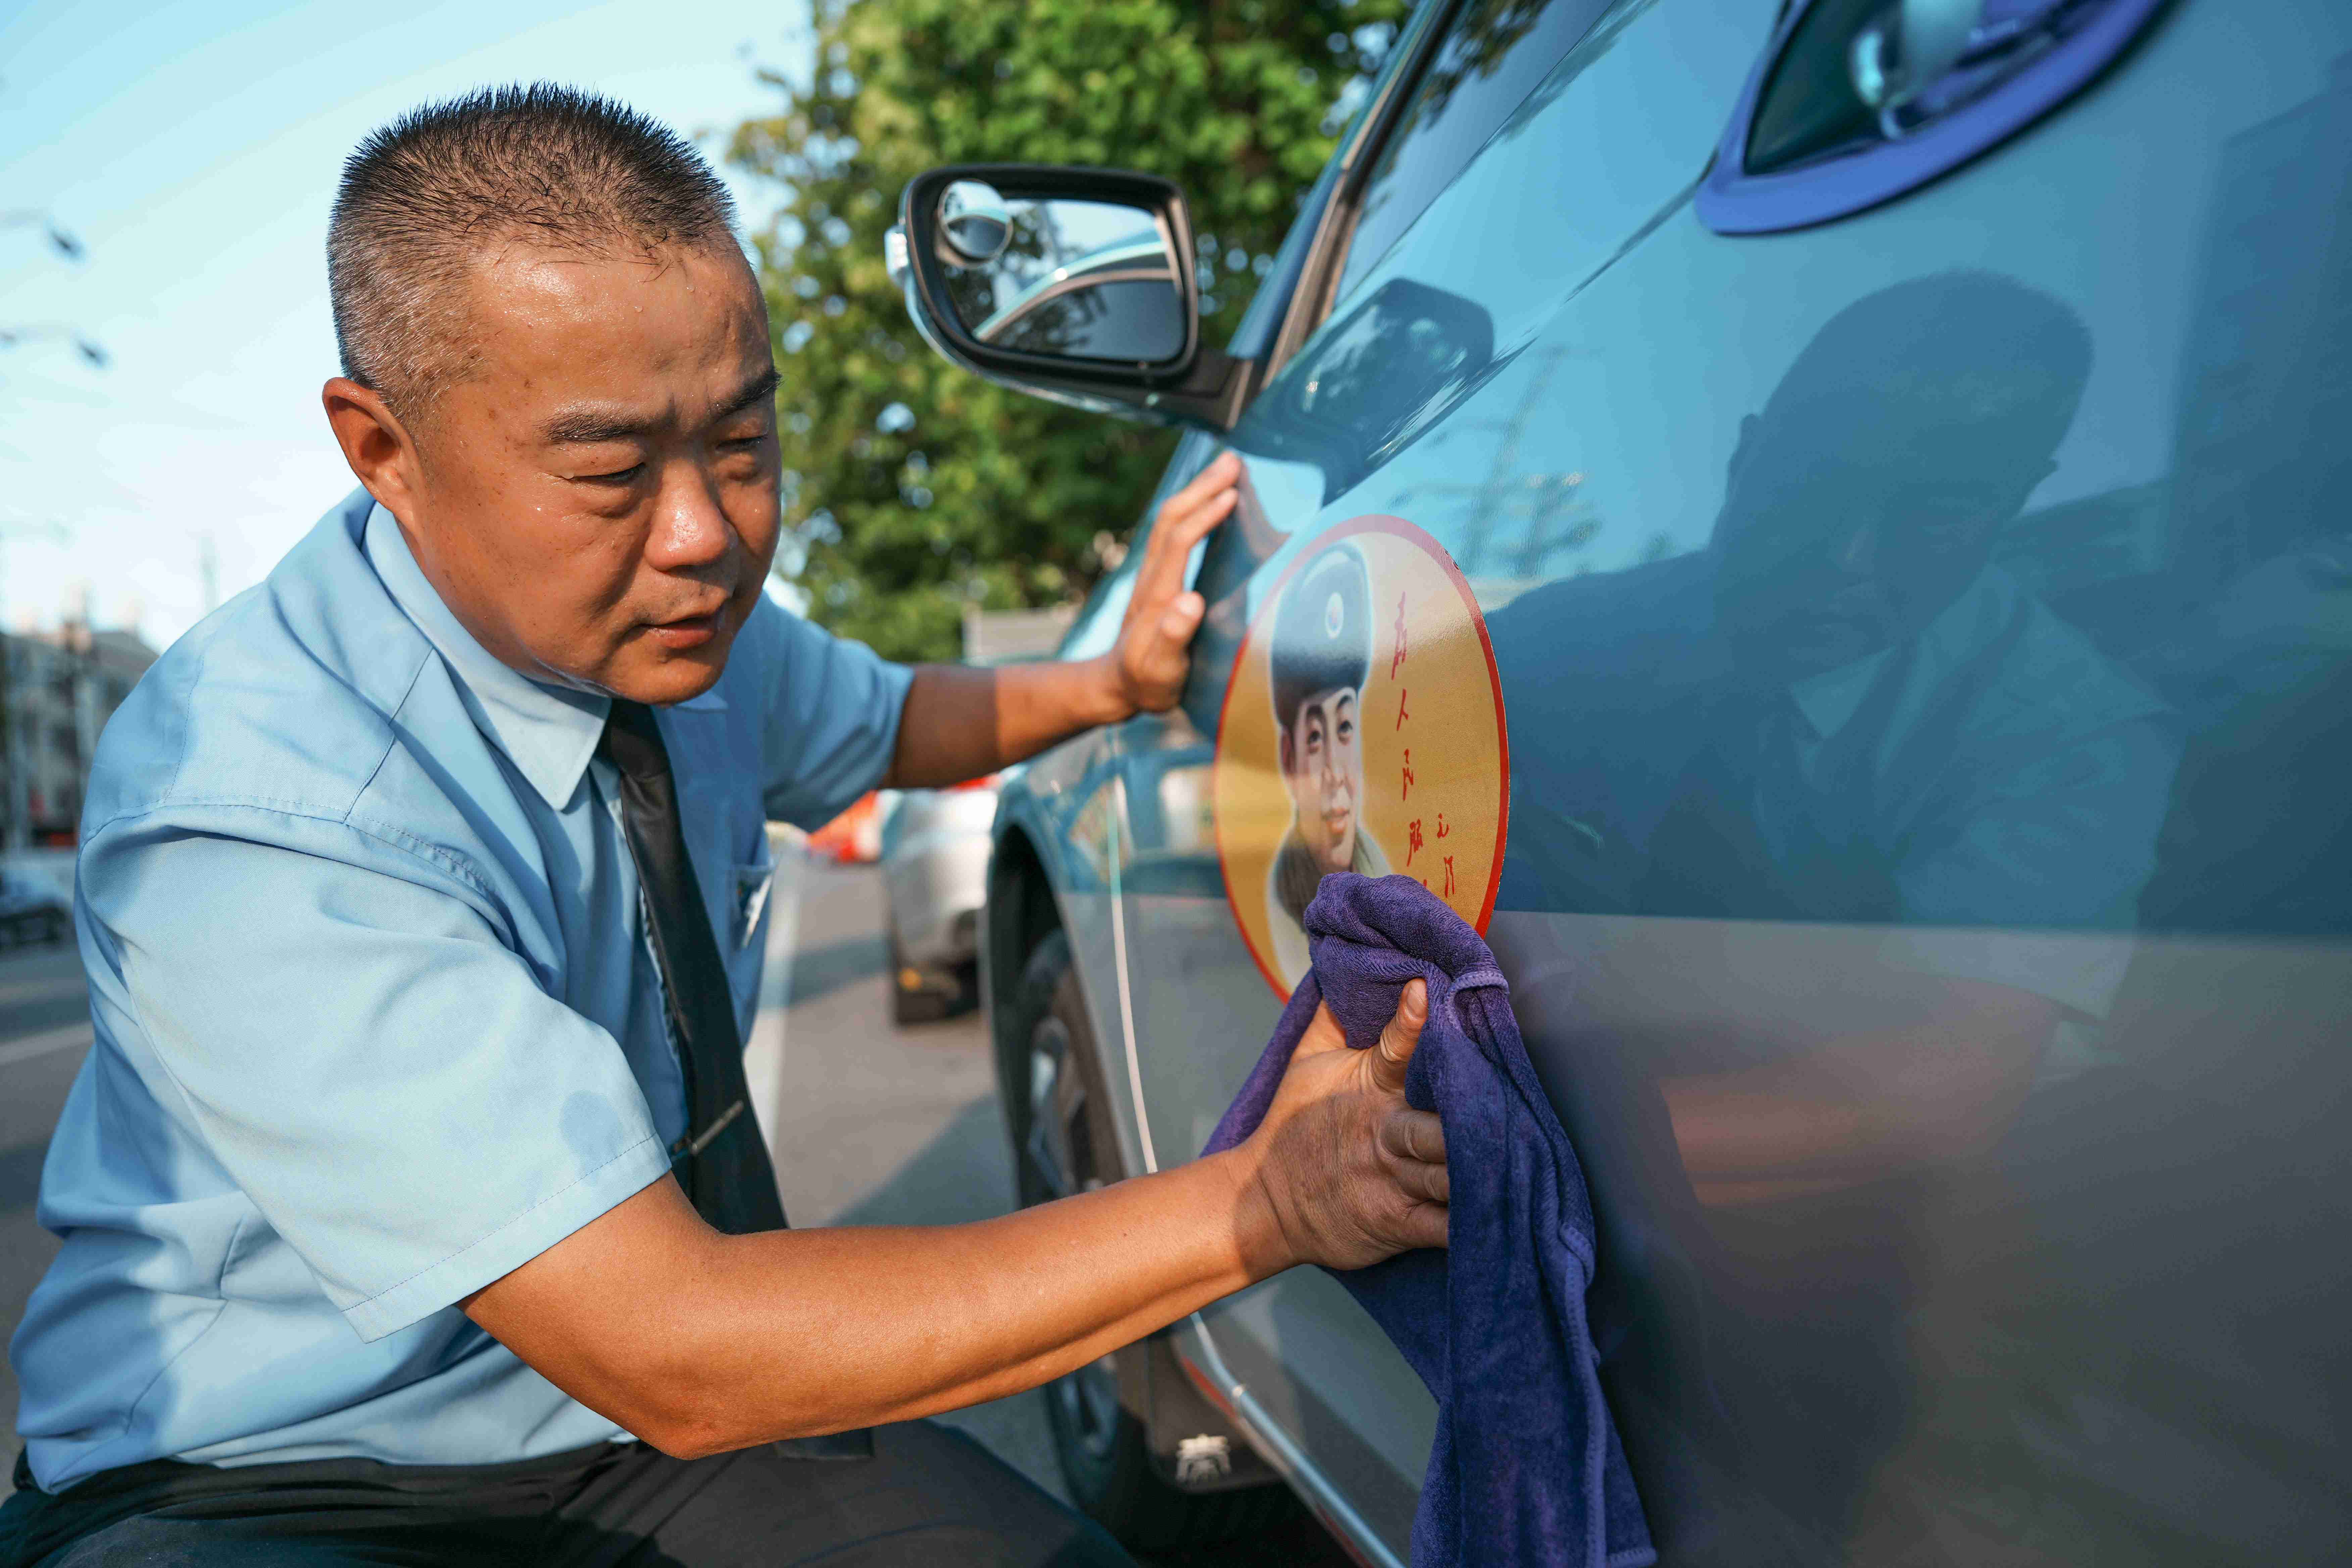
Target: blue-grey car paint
2102	1325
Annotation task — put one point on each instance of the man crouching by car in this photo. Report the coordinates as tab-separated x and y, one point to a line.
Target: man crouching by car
411	1207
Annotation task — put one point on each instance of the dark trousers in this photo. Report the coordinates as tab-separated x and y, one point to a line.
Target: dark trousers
928	1496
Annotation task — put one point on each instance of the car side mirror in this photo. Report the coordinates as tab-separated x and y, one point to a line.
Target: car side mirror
1073	284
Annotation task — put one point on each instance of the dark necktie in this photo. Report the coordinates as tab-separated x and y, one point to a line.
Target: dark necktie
721	1160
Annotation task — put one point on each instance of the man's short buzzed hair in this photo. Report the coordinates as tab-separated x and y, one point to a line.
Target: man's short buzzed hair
552	167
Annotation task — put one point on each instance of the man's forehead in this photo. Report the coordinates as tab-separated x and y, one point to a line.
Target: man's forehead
590	340
586	421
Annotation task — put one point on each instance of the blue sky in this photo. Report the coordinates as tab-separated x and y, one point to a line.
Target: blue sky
193	148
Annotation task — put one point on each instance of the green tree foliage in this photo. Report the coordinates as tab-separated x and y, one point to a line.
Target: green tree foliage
912	488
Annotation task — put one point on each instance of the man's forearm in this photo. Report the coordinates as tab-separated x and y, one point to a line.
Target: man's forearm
960	723
709	1342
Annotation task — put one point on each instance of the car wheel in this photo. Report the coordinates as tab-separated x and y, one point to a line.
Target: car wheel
57	928
916	995
1065	1144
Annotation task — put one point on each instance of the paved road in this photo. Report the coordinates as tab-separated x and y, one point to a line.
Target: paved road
871	1124
44	1033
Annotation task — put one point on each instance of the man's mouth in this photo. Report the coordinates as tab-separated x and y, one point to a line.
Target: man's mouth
688	631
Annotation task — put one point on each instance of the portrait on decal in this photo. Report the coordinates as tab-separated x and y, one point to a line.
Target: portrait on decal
1319	666
1362	731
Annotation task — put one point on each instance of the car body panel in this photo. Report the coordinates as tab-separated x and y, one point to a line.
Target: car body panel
2080	1298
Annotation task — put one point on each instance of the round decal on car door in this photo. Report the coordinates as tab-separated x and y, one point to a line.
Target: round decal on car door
1364	731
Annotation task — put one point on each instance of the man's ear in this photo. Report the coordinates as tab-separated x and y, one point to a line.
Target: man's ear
1288	749
376	443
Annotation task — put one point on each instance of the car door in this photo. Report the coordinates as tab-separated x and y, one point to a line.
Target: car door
1921	638
1409	359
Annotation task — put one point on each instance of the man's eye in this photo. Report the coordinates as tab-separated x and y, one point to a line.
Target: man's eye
627	476
1346	732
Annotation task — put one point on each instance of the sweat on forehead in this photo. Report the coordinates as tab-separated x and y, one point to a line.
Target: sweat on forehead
425	198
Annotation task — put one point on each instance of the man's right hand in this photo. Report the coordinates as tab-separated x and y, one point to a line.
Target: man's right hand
1347	1172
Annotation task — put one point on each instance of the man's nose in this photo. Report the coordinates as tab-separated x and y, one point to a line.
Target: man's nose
689	529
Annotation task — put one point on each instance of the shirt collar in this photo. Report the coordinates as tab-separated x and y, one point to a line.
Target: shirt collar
548	731
1972	622
1829	699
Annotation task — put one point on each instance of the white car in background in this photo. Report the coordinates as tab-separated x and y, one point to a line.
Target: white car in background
935	849
33	908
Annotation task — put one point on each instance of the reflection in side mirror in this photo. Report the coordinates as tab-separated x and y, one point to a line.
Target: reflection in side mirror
1077	280
974	224
1090	300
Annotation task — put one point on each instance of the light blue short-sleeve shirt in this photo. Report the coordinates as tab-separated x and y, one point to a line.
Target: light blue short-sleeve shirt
375	1020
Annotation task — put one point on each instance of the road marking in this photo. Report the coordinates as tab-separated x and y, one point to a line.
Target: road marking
48	988
24	1047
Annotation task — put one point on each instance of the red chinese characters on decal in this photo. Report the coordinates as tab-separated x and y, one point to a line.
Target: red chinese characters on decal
1412	840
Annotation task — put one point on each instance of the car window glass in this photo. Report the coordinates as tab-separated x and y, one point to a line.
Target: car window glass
1554	196
1497	53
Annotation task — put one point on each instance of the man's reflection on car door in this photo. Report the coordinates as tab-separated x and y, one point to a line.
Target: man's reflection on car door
1841	712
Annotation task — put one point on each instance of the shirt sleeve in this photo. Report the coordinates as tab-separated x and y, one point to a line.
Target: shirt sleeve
2063	838
386	1080
831	720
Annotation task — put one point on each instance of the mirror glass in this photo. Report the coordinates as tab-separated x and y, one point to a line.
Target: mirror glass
1090	280
974	224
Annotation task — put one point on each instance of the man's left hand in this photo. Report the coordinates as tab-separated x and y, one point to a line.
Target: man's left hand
1154	653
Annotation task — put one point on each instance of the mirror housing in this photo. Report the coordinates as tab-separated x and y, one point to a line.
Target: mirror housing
1196	386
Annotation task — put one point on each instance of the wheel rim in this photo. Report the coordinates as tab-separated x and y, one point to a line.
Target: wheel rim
1048	1149
1059	1149
1060	1155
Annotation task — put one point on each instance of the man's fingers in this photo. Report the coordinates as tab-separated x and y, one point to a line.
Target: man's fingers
1424	1226
1394	1052
1415	1135
1220	475
1171	542
1424	1184
1184	517
1183	614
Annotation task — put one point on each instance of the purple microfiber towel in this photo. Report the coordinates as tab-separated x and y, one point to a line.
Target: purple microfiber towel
1527	1469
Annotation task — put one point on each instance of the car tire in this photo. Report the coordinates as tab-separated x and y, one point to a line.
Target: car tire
57	928
1065	1143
